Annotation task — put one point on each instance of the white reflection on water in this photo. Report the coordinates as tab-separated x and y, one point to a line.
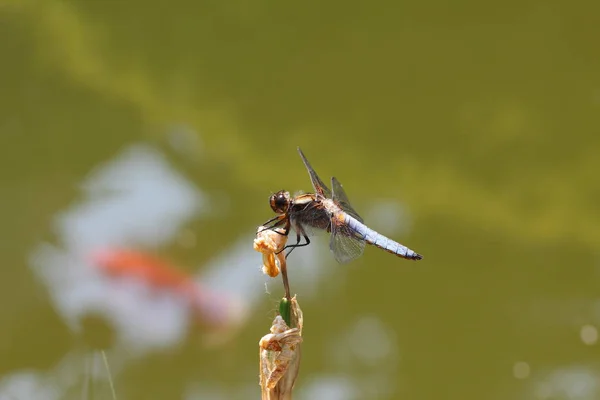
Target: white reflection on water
588	334
372	343
367	350
137	199
332	387
521	370
28	385
63	381
576	382
388	217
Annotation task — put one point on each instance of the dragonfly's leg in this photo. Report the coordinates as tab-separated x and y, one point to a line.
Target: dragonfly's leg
298	244
286	229
284	233
292	246
275	221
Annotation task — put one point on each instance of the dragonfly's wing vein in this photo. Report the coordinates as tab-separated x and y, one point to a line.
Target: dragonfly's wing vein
340	197
317	183
345	244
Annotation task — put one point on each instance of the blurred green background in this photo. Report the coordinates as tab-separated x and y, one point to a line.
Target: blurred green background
479	120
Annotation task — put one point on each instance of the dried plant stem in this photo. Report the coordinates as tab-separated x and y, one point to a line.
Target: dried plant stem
279	350
280	356
284	277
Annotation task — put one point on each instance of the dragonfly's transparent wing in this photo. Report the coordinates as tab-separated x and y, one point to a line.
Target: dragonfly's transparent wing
345	244
342	199
317	183
304	229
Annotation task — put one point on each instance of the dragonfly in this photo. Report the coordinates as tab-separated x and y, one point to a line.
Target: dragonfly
328	210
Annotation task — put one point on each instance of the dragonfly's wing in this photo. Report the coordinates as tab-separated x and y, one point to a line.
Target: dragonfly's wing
303	228
317	183
345	244
342	199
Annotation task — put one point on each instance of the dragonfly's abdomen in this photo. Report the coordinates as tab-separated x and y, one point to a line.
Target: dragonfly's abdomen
376	239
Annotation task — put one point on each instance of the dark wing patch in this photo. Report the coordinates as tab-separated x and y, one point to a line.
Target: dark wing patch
317	183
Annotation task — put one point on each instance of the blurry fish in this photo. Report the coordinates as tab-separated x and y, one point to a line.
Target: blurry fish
212	309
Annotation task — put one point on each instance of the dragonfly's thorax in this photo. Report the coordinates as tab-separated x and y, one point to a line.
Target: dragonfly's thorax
308	210
331	206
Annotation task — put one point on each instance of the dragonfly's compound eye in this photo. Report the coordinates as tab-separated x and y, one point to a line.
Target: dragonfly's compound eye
280	202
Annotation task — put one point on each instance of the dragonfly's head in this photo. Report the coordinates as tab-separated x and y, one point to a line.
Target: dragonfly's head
280	201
